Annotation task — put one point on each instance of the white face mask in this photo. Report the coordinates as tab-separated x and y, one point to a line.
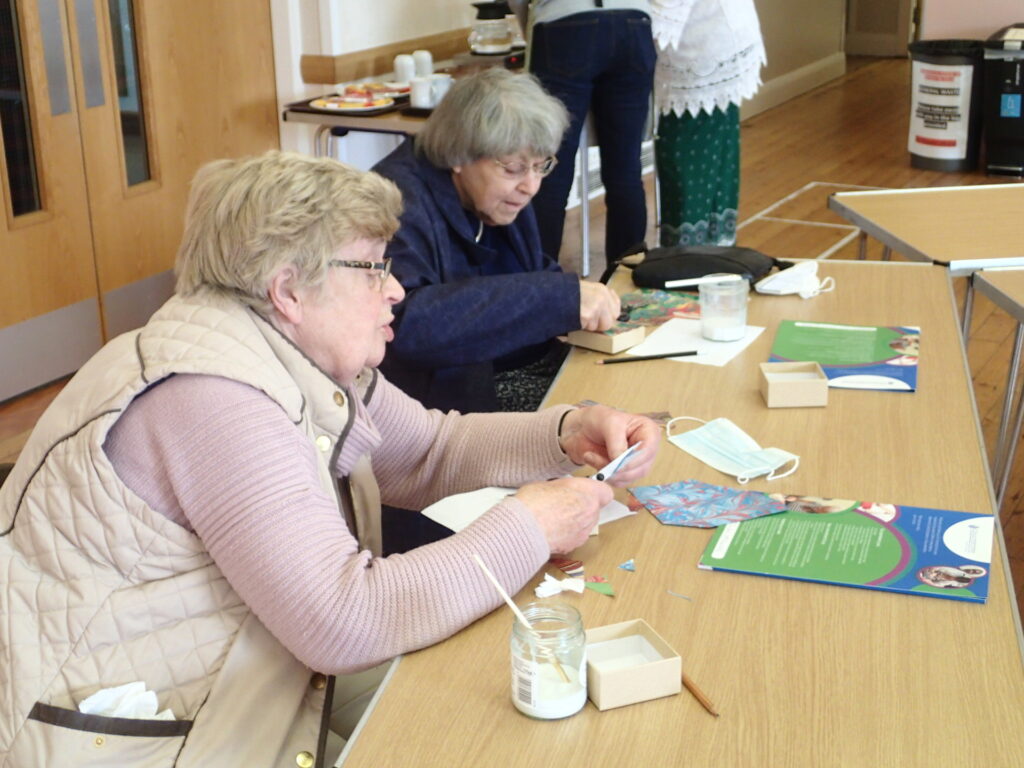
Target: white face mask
727	448
801	278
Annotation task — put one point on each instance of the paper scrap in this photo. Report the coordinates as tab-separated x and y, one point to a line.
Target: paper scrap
600	584
685	334
461	509
629	565
568	566
704	505
676	594
552	586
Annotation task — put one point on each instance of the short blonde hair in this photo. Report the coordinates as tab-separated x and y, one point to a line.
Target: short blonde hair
493	113
250	216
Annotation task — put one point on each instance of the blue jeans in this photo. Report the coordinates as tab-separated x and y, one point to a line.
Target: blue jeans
601	61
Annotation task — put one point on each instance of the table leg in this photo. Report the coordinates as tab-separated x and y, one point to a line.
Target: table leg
886	253
1005	445
968	309
862	245
584	192
1011	453
319	139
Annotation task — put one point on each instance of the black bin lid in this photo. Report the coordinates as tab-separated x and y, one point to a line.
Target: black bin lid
999	41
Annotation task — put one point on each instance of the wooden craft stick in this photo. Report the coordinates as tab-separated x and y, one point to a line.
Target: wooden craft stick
698	694
519	615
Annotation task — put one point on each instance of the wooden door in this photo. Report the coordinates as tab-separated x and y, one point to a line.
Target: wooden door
49	319
205	89
122	101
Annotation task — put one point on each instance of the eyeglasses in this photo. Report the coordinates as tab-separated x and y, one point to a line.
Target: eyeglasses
382	267
517	169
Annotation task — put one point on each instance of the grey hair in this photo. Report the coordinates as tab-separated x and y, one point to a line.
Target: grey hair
250	216
492	114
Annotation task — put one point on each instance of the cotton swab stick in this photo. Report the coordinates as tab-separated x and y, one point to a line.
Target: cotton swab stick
519	615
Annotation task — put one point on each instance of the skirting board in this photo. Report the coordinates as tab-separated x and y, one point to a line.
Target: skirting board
47	347
792	84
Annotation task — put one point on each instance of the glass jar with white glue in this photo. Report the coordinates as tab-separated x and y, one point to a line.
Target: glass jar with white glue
549	661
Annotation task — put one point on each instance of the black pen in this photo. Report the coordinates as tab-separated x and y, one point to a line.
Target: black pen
638	358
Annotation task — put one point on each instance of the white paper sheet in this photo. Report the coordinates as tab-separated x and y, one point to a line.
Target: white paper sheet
684	333
458	511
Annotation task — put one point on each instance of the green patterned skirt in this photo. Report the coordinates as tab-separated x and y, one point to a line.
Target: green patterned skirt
698	160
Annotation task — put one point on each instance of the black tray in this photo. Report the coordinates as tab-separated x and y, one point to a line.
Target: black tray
412	111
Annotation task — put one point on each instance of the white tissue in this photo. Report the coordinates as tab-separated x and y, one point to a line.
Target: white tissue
128	700
552	586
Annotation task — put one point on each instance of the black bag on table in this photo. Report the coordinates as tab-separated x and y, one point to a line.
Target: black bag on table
681	262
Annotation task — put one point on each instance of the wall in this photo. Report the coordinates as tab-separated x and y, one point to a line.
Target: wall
803	38
804	43
967	19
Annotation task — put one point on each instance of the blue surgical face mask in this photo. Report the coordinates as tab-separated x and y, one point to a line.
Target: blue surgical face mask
727	448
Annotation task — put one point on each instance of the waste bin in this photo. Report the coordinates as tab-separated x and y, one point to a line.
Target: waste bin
1004	94
946	100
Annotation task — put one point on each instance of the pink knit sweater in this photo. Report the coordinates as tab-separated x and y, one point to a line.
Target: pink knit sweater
223	460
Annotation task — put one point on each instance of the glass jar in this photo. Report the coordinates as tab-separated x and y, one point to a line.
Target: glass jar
723	307
549	663
490	36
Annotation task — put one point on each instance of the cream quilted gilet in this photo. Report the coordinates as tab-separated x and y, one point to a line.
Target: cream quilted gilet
100	590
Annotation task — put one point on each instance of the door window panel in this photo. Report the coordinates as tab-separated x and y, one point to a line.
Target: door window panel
129	91
22	178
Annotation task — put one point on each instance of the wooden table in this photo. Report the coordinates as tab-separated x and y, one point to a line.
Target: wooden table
939	223
803	674
1006	290
960	227
388	122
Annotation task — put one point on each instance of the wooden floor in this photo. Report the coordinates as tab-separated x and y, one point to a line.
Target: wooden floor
850	133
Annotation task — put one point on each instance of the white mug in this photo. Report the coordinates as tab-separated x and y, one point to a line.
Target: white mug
424	62
421	93
427	92
440	82
405	68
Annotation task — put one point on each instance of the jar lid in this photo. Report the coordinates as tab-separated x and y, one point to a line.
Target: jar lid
494	9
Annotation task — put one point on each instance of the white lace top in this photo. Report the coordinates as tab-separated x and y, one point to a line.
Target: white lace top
710	54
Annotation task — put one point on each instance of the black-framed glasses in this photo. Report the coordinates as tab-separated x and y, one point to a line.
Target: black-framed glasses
383	268
517	169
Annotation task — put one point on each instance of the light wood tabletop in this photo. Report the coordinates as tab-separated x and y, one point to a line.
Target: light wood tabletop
803	674
940	223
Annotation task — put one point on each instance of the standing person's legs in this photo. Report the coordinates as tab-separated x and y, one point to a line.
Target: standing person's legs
698	175
562	57
621	103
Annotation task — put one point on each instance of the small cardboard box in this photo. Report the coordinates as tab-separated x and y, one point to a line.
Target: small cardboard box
618	338
793	385
628	663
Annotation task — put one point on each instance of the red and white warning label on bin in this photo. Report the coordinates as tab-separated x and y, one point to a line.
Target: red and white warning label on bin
940	110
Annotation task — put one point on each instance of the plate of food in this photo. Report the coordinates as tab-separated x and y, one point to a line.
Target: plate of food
349	103
378	90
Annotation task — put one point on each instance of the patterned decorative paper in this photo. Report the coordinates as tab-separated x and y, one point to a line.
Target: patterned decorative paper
600	584
703	505
568	566
652	307
629	565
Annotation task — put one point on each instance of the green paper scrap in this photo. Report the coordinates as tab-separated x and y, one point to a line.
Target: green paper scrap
629	565
598	584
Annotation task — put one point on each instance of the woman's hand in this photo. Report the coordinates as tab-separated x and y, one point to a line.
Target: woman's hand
599	306
597	434
565	509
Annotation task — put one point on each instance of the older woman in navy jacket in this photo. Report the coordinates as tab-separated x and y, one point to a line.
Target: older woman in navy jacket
483	301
